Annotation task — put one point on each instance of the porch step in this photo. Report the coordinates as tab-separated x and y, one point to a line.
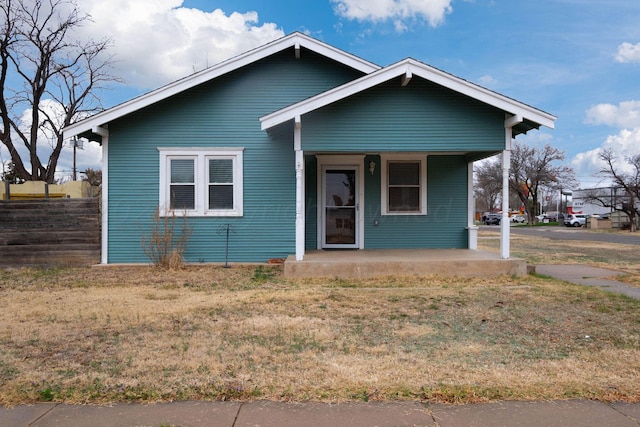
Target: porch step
360	264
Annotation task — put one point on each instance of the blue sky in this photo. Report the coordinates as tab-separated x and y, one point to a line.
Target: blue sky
576	59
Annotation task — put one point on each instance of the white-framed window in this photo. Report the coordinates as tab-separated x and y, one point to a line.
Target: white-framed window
404	184
201	181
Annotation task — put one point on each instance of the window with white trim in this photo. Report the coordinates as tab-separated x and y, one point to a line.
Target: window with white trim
201	182
404	184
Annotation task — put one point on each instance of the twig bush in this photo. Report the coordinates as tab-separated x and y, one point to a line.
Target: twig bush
167	241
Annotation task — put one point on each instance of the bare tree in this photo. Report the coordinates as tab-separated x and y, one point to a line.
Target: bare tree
532	170
624	195
48	74
488	184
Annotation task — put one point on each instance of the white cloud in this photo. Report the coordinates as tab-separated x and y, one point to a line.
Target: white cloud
89	156
628	52
398	11
155	42
626	115
159	41
487	81
626	143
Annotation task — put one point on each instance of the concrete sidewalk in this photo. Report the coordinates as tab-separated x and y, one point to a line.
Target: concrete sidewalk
272	414
589	276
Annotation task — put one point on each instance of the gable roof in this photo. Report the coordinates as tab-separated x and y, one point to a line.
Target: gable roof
524	116
295	40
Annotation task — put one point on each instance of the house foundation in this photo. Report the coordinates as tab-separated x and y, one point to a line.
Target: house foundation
361	264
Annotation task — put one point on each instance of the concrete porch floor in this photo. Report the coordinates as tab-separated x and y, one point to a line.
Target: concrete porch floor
363	263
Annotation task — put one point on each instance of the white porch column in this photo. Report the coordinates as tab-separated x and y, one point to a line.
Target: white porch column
505	229
300	226
505	226
471	225
104	250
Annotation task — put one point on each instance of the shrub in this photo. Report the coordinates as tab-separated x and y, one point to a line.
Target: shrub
167	242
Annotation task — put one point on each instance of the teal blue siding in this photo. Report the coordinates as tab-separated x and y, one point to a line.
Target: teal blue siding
221	113
445	224
420	117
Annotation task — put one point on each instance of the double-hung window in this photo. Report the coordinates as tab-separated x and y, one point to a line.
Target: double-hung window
201	182
182	183
404	184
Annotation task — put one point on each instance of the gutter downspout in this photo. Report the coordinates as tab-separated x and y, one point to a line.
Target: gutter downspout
505	230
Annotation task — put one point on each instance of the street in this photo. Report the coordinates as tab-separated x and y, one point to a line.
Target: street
559	232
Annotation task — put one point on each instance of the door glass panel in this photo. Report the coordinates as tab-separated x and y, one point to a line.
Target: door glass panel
341	188
340	204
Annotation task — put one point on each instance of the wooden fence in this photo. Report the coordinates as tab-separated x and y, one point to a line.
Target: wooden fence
54	232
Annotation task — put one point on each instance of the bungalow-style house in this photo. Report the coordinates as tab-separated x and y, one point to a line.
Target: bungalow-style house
300	148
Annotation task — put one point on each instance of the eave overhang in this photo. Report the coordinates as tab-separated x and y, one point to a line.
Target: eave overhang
294	40
532	118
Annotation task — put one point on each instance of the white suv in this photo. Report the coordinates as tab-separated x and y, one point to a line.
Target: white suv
575	220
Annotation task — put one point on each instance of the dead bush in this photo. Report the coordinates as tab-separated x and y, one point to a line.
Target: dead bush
167	241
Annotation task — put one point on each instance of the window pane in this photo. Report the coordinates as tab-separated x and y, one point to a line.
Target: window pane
404	173
221	197
182	171
220	171
404	199
182	197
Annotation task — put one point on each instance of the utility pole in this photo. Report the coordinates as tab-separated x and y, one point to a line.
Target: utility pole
75	144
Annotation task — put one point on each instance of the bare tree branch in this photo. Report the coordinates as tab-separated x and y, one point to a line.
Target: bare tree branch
624	195
531	171
37	47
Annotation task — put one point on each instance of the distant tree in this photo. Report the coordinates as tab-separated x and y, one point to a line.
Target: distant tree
47	81
94	177
9	174
488	184
532	170
624	195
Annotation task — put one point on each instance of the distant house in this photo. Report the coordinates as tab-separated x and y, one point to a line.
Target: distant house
300	146
600	201
604	202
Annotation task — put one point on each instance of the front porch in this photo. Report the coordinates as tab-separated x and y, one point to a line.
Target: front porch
364	263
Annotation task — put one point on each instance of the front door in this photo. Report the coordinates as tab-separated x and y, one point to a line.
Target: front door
339	207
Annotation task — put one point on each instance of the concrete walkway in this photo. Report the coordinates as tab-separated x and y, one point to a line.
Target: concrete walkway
272	414
589	276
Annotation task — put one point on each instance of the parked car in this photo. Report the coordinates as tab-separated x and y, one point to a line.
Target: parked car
518	218
492	219
575	220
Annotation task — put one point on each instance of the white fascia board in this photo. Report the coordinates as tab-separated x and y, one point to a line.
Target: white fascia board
403	69
485	95
293	40
330	96
336	54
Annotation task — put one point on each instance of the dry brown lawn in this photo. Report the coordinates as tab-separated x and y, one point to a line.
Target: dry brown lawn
540	250
110	334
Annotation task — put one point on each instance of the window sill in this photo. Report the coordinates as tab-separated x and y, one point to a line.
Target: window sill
196	214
